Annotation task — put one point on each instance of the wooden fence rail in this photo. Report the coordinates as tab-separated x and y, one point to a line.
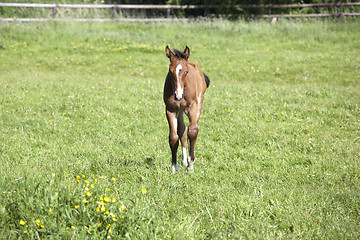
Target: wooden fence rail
168	9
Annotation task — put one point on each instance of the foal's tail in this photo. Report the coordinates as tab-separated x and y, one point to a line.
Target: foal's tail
207	80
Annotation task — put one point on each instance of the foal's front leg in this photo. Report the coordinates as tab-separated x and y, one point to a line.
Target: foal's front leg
173	138
182	136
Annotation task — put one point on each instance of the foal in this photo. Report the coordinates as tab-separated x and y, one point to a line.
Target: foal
184	90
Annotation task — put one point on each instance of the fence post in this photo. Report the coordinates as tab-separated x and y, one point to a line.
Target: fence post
206	11
338	10
269	12
168	12
112	12
54	11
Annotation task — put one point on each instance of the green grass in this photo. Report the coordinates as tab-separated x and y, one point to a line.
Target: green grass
277	155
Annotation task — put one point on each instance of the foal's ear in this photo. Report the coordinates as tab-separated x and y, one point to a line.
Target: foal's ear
187	53
169	53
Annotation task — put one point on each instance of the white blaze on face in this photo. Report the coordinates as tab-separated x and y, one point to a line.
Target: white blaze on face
179	90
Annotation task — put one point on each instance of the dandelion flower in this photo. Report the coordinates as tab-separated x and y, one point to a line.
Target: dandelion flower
107	212
78	177
114	179
90	229
76	206
88	194
85	201
73	227
107	199
95	180
37	222
22	222
143	190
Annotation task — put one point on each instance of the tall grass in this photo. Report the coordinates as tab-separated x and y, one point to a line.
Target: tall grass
83	144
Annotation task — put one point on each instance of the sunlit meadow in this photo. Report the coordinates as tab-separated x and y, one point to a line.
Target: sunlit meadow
83	143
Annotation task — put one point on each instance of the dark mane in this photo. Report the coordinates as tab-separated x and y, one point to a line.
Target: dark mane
179	54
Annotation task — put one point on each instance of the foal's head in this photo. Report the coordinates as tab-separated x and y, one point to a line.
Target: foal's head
178	69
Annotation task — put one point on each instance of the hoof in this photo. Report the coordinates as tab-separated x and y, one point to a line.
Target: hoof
190	169
184	163
174	169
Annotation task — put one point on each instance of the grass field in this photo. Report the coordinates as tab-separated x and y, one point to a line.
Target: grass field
84	140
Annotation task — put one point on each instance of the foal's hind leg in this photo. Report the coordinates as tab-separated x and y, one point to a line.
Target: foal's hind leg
193	130
173	138
182	136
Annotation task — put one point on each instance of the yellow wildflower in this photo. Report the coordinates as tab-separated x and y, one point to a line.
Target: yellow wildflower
143	190
85	201
22	222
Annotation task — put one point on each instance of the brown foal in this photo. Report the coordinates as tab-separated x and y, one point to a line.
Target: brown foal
184	90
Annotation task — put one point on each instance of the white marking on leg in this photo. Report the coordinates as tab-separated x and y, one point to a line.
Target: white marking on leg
184	160
199	99
179	90
198	110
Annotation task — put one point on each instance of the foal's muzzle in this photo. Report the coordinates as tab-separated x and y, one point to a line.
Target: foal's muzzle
179	98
